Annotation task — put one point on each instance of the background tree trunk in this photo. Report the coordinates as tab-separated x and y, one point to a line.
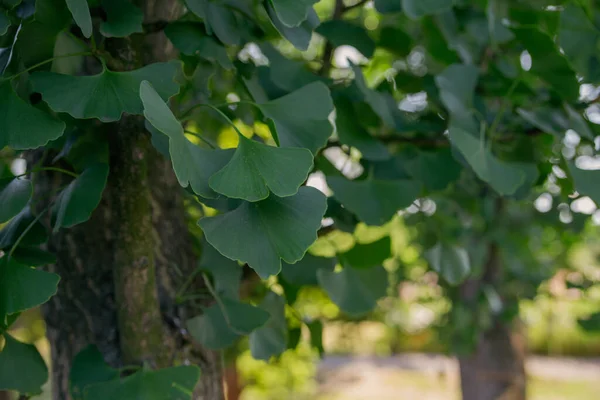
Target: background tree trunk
496	368
121	269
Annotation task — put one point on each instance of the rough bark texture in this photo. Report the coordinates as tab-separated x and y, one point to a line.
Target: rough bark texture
120	270
496	369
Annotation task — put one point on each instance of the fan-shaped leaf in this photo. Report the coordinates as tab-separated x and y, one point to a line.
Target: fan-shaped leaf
122	18
226	273
341	32
218	19
105	96
307	126
89	368
256	168
298	36
578	38
271	339
192	164
586	182
293	12
263	233
374	201
77	201
216	330
21	367
189	39
451	262
419	8
14	195
23	126
367	255
504	177
176	383
22	287
81	14
355	291
304	272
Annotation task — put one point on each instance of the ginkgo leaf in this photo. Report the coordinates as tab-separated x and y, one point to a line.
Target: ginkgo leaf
14	196
81	14
367	255
548	63
189	38
261	234
341	32
355	291
304	272
271	339
435	169
381	103
226	273
22	287
457	89
374	201
4	24
307	127
586	182
419	8
504	177
216	330
22	368
77	201
193	165
451	262
122	18
292	12
105	96
256	168
298	36
351	133
33	256
23	224
218	19
175	383
23	126
88	368
578	38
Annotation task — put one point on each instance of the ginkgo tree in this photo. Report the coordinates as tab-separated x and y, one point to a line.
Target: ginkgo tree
126	214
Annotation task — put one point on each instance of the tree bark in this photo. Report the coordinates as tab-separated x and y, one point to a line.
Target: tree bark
121	269
496	368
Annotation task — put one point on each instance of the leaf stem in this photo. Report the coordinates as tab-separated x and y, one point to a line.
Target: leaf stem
220	303
55	169
82	53
198	105
222	114
35	220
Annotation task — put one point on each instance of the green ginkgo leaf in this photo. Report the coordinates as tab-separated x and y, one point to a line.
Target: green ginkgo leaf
435	169
355	291
351	133
222	324
22	287
271	339
298	36
457	90
505	178
190	39
451	262
304	272
578	38
293	12
175	383
419	8
23	224
81	14
261	234
226	273
80	198
88	368
105	96
122	18
22	368
193	165
548	63
383	104
218	19
374	201
14	195
23	126
4	23
367	255
341	32
256	168
308	126
586	182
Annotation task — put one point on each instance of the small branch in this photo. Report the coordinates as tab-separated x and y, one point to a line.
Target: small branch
338	11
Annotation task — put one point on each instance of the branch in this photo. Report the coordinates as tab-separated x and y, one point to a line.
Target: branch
338	11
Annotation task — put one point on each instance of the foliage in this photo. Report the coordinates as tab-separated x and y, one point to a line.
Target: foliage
457	116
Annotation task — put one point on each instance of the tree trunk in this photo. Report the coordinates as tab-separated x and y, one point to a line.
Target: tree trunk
496	368
121	269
